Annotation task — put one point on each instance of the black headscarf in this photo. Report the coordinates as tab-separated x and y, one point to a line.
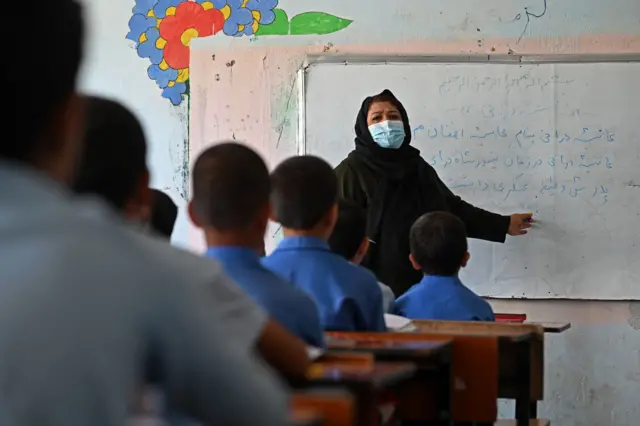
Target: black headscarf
399	198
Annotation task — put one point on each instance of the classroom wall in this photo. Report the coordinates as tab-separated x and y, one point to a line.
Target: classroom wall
244	88
113	68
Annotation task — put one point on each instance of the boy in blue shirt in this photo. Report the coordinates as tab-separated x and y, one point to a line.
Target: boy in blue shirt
439	249
349	239
231	204
304	196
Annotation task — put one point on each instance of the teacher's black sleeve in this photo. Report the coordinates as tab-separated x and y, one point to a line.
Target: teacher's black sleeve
481	224
351	187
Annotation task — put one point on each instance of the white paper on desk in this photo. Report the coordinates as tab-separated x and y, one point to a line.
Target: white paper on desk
314	353
398	324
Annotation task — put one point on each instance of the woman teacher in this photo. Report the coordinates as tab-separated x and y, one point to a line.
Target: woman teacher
388	177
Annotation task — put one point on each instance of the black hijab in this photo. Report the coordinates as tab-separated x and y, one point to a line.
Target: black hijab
398	199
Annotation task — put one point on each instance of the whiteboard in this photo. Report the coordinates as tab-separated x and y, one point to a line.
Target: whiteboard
559	139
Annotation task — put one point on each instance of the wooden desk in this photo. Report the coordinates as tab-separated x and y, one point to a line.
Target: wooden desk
336	406
302	417
521	354
366	383
426	395
424	354
552	327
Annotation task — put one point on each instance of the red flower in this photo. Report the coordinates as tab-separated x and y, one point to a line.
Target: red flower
190	20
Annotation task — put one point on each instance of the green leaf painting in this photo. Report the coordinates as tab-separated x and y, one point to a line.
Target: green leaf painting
280	25
307	23
317	23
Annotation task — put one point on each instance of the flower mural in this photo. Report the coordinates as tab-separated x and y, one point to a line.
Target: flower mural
162	31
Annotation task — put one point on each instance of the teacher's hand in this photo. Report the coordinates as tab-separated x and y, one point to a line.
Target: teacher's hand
519	223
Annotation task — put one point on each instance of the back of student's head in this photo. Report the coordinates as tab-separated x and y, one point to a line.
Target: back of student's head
304	190
439	243
113	161
350	230
164	213
42	81
230	187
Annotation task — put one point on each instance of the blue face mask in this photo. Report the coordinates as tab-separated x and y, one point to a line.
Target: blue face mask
388	134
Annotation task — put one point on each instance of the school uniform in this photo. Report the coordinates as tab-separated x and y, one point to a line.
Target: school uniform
347	295
290	306
86	299
443	298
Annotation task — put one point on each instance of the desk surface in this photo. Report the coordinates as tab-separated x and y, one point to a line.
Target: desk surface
302	417
394	350
552	327
380	375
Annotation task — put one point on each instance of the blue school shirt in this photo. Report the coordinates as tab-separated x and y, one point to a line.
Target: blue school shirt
443	298
347	295
292	308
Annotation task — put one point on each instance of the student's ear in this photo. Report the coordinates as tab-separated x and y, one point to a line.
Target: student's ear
414	263
262	218
145	196
66	132
192	215
465	259
362	251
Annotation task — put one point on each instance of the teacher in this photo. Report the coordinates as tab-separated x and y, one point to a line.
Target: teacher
388	177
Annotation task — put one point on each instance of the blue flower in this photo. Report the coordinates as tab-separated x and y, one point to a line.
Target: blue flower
160	9
143	7
265	7
217	4
239	16
162	77
148	49
174	93
138	25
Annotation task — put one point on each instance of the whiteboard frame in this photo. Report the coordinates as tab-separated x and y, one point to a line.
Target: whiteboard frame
351	59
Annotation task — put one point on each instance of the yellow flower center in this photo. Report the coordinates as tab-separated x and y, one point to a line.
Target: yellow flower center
183	75
188	35
226	12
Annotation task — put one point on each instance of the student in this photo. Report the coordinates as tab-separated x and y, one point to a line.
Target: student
164	213
85	300
110	130
231	204
349	239
438	243
304	197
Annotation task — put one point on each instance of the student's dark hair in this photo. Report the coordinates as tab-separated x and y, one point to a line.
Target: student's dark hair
304	189
114	153
164	213
438	243
230	185
39	94
350	230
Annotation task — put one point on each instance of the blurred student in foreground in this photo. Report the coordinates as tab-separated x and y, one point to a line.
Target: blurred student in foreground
231	204
85	300
438	243
123	183
349	239
304	196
